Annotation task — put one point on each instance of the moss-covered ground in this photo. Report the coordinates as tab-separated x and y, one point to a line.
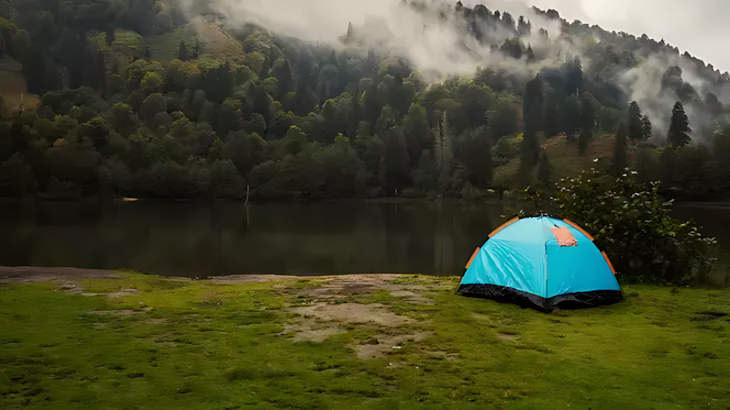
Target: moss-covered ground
362	342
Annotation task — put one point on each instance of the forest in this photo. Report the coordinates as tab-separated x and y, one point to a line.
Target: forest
161	99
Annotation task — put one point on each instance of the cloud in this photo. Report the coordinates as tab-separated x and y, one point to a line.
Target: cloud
431	41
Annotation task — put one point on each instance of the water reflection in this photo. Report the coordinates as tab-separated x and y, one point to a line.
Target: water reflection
193	238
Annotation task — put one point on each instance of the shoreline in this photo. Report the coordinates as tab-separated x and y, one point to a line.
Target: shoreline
511	198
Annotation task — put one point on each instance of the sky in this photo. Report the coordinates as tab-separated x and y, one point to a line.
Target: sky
698	27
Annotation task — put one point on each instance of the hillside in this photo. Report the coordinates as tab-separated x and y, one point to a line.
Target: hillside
177	101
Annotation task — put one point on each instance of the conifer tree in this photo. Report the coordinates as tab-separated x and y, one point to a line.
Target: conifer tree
443	151
679	130
645	128
635	122
183	52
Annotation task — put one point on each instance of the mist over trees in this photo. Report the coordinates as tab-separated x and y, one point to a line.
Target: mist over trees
146	98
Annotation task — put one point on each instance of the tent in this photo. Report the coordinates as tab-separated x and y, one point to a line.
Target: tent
544	262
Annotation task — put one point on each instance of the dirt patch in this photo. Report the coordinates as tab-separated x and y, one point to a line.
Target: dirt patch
324	317
412	297
386	344
353	313
213	40
310	329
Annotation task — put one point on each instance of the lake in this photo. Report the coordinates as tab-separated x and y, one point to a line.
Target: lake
223	238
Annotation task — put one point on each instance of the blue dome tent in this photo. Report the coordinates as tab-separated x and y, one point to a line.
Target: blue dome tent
544	262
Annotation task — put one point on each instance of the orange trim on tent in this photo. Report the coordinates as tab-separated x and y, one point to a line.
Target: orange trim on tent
608	261
473	255
575	225
506	224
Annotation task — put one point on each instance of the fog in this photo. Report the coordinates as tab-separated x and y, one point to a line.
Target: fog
436	41
431	43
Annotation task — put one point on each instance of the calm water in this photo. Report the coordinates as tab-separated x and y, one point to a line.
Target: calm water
191	238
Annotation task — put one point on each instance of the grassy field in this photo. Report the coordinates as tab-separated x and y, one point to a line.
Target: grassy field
355	342
165	48
564	158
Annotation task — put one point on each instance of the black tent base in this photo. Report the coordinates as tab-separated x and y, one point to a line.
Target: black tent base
567	301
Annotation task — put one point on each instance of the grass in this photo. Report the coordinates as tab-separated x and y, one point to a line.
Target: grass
165	48
206	345
126	38
565	161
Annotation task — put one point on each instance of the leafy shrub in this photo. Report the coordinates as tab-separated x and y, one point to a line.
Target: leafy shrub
631	221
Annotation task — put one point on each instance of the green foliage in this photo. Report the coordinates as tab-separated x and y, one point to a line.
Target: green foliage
507	147
225	181
426	175
417	131
476	156
262	177
16	178
151	82
632	222
245	151
151	106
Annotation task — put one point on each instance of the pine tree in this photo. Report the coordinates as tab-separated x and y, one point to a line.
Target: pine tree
679	130
619	152
645	128
183	52
530	54
573	76
635	122
443	151
533	116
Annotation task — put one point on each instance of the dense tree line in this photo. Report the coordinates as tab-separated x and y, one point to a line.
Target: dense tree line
286	116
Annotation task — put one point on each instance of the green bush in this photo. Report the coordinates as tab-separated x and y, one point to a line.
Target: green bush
631	222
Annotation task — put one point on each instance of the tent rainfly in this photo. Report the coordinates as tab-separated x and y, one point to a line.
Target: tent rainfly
544	262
